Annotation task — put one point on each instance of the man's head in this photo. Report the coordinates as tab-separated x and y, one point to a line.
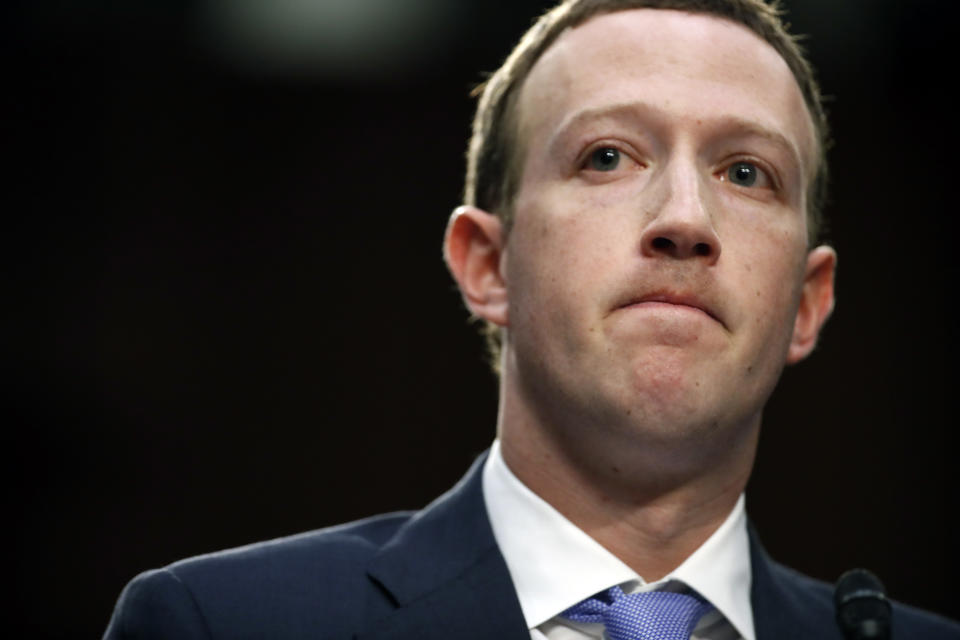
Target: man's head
494	166
655	265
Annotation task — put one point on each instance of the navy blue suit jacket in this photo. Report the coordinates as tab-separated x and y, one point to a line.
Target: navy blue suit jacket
433	574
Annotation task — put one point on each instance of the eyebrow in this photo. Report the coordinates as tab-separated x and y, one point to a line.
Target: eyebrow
732	126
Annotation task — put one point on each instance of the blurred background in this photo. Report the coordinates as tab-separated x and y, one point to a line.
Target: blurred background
226	294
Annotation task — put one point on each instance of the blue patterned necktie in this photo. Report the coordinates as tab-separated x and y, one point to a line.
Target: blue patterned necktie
651	615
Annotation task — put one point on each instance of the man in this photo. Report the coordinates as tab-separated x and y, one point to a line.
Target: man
643	189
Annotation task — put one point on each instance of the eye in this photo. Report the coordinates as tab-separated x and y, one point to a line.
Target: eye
604	159
743	174
747	174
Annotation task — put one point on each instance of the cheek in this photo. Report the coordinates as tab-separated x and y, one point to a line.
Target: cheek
556	266
762	252
772	276
772	256
564	242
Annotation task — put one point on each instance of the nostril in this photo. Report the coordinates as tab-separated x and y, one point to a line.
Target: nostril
662	244
677	246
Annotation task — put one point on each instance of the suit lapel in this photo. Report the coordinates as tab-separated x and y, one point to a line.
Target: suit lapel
447	579
445	573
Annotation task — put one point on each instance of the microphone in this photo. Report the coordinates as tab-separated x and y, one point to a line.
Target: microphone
863	611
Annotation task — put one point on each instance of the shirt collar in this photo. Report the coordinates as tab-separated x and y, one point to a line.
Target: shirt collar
554	564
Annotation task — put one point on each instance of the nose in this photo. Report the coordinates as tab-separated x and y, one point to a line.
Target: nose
680	226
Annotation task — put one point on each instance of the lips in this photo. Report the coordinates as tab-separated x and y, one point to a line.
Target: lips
679	299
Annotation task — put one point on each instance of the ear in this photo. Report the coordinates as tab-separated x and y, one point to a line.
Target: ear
816	302
473	248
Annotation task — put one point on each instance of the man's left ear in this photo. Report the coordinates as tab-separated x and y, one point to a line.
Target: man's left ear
816	302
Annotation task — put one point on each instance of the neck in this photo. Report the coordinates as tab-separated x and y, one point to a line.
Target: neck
649	500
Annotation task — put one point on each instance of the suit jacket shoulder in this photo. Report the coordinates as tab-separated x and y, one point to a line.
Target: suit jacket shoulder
429	574
289	587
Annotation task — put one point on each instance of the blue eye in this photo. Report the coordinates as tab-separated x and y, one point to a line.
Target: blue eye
743	173
605	159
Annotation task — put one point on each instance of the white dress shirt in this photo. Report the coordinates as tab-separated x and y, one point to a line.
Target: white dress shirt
554	564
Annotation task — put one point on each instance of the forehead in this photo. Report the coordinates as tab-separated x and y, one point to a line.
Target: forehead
697	68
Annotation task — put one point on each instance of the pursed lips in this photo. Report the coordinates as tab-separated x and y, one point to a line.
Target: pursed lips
675	299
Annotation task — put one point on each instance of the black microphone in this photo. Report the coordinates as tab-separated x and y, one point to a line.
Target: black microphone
863	611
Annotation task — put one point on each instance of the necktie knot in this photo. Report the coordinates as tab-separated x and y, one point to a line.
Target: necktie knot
651	615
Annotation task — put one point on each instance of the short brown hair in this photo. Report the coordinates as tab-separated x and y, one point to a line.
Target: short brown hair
493	165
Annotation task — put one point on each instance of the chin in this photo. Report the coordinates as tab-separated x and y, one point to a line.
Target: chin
670	423
671	404
667	382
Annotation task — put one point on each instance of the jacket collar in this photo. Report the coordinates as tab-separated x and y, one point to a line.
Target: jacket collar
445	573
448	579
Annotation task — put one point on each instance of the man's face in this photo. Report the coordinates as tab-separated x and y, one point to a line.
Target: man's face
658	252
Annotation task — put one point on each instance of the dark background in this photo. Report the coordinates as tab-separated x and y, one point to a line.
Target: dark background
228	318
